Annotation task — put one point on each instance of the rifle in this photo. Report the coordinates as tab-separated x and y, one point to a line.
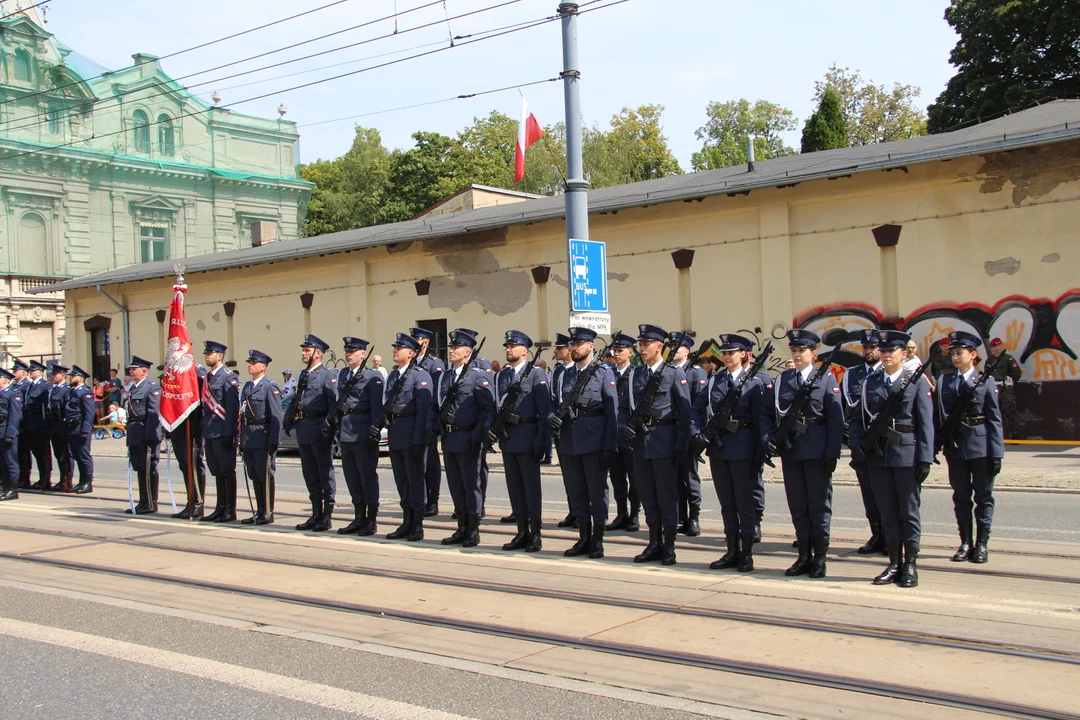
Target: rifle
794	412
954	423
881	425
568	407
721	419
333	418
445	418
375	431
506	415
294	406
637	418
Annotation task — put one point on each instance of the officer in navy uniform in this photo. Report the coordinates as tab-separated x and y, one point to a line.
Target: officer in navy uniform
11	405
189	431
483	364
851	394
525	438
363	397
21	385
54	412
561	352
733	454
410	417
621	472
79	413
689	477
768	408
467	421
261	419
36	425
434	367
660	447
901	462
220	425
810	454
974	454
143	433
316	396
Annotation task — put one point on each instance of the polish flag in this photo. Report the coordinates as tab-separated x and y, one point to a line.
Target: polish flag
180	383
529	131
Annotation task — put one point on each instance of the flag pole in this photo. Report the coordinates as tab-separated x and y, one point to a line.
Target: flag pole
553	158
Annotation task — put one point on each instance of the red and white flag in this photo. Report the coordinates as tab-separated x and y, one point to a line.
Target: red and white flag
180	383
529	131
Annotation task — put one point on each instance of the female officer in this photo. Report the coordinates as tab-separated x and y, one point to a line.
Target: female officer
809	452
973	454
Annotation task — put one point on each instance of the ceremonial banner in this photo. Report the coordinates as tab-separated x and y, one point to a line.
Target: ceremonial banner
180	383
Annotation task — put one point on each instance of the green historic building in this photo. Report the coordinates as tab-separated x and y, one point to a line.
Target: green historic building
105	168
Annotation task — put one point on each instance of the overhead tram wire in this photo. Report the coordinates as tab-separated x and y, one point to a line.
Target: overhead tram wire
183	51
22	10
43	117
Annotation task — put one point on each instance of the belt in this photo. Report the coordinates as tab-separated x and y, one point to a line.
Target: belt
254	422
975	419
649	422
309	416
458	428
134	419
527	421
403	414
359	412
595	412
812	421
903	427
742	425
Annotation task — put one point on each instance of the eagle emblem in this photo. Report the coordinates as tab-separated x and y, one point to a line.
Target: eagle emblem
178	358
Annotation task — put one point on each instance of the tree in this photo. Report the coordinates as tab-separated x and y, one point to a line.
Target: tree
349	191
826	129
874	113
1010	55
729	125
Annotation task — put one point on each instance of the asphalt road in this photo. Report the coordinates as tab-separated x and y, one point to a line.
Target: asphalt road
1018	515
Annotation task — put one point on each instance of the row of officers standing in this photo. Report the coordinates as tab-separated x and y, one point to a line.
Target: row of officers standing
641	426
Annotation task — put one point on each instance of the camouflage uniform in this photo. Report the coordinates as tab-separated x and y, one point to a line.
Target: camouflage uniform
1006	375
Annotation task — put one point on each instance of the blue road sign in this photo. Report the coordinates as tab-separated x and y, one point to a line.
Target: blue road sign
588	276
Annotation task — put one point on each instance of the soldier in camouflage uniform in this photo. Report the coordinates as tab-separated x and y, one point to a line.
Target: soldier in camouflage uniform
1006	375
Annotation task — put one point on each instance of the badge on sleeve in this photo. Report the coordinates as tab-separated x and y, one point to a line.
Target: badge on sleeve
836	390
681	381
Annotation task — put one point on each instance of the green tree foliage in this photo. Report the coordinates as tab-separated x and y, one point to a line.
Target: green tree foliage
874	113
1010	55
729	125
826	129
349	191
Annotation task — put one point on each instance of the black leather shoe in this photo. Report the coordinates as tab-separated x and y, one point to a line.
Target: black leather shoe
404	528
667	547
892	572
370	524
801	565
228	514
746	553
146	510
354	527
581	547
316	511
757	533
41	485
980	554
520	540
596	541
264	519
535	543
909	575
508	519
472	532
184	514
619	523
568	521
457	536
963	553
10	495
416	531
652	550
729	559
432	509
135	510
214	515
633	524
325	520
817	565
83	488
874	545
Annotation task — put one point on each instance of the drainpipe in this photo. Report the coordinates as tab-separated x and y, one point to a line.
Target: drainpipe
124	314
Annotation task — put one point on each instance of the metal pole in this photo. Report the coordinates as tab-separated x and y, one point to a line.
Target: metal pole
577	202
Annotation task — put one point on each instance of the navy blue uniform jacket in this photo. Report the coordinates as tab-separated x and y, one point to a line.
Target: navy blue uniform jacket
917	408
986	437
362	405
671	402
533	404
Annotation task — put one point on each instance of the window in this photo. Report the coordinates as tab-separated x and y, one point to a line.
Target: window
55	116
32	245
141	125
154	242
22	66
166	138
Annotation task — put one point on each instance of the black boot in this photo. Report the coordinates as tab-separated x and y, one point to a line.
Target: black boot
9	493
359	518
621	518
667	548
42	485
509	519
746	553
152	500
85	487
458	535
632	522
370	525
909	575
187	513
757	528
416	531
892	572
731	557
963	553
432	507
405	527
219	501
980	554
653	550
582	545
802	563
260	505
691	528
520	540
472	531
875	544
568	521
535	543
596	540
228	513
316	511
817	565
325	519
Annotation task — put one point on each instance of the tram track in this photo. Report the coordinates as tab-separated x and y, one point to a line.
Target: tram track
839	628
761	670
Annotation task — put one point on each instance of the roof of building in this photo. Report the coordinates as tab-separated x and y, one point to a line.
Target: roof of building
482	188
1051	122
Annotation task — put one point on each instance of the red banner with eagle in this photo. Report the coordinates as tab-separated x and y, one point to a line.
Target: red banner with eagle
180	382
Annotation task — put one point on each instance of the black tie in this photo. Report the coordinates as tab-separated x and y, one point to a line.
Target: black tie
888	382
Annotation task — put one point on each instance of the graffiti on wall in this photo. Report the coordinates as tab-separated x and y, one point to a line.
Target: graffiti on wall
1042	334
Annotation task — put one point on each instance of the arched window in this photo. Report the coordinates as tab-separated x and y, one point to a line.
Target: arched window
22	65
32	241
141	125
166	138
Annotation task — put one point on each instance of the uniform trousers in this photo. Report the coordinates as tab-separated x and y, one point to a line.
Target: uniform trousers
221	456
24	458
78	448
317	464
523	485
809	496
689	482
144	461
38	443
62	454
483	476
11	463
196	455
261	466
463	479
735	484
970	478
897	493
873	515
586	485
621	472
759	488
409	477
433	472
360	466
657	481
1009	417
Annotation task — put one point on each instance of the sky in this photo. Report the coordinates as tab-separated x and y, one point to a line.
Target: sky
681	54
